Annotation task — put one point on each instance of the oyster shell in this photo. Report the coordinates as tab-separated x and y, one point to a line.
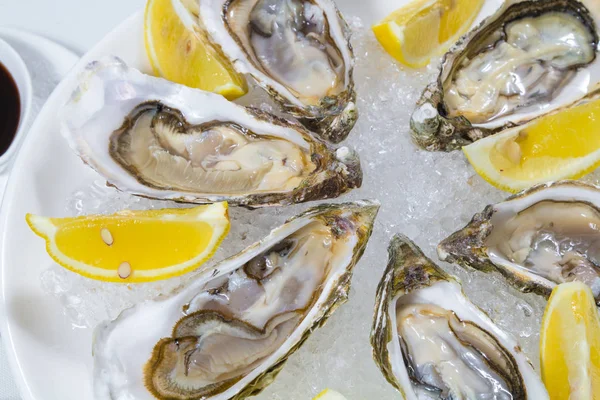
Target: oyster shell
538	238
529	58
228	333
158	139
297	50
431	342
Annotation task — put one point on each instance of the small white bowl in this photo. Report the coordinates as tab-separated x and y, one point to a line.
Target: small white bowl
16	67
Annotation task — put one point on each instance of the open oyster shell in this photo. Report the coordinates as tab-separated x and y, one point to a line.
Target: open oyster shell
431	342
154	138
228	333
530	58
538	238
297	50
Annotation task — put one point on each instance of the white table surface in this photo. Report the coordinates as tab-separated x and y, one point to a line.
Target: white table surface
76	24
79	24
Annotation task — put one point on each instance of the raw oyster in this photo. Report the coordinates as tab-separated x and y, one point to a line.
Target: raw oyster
158	139
431	342
228	333
546	235
530	58
297	50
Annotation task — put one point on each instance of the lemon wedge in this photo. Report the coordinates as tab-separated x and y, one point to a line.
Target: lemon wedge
134	246
557	146
179	51
570	344
329	394
424	29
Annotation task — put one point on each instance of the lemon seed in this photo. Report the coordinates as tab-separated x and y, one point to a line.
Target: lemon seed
513	152
106	236
124	270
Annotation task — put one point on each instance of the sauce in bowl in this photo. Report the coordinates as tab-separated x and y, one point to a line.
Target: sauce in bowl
10	109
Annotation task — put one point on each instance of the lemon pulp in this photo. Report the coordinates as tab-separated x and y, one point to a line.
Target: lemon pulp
570	344
425	28
133	240
556	146
179	51
153	244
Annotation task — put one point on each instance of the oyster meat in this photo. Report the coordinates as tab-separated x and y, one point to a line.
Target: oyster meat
431	342
158	139
297	50
530	58
228	333
544	236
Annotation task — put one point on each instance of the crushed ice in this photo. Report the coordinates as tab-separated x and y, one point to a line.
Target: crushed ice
424	195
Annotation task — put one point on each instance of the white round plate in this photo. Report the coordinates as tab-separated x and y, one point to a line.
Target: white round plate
50	358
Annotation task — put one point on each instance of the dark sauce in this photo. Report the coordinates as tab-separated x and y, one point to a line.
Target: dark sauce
10	109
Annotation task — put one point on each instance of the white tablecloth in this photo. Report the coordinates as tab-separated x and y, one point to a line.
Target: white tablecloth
8	388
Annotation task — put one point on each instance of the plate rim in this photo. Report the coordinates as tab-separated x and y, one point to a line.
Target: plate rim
8	200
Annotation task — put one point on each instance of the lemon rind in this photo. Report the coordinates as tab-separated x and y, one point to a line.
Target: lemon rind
152	57
329	392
